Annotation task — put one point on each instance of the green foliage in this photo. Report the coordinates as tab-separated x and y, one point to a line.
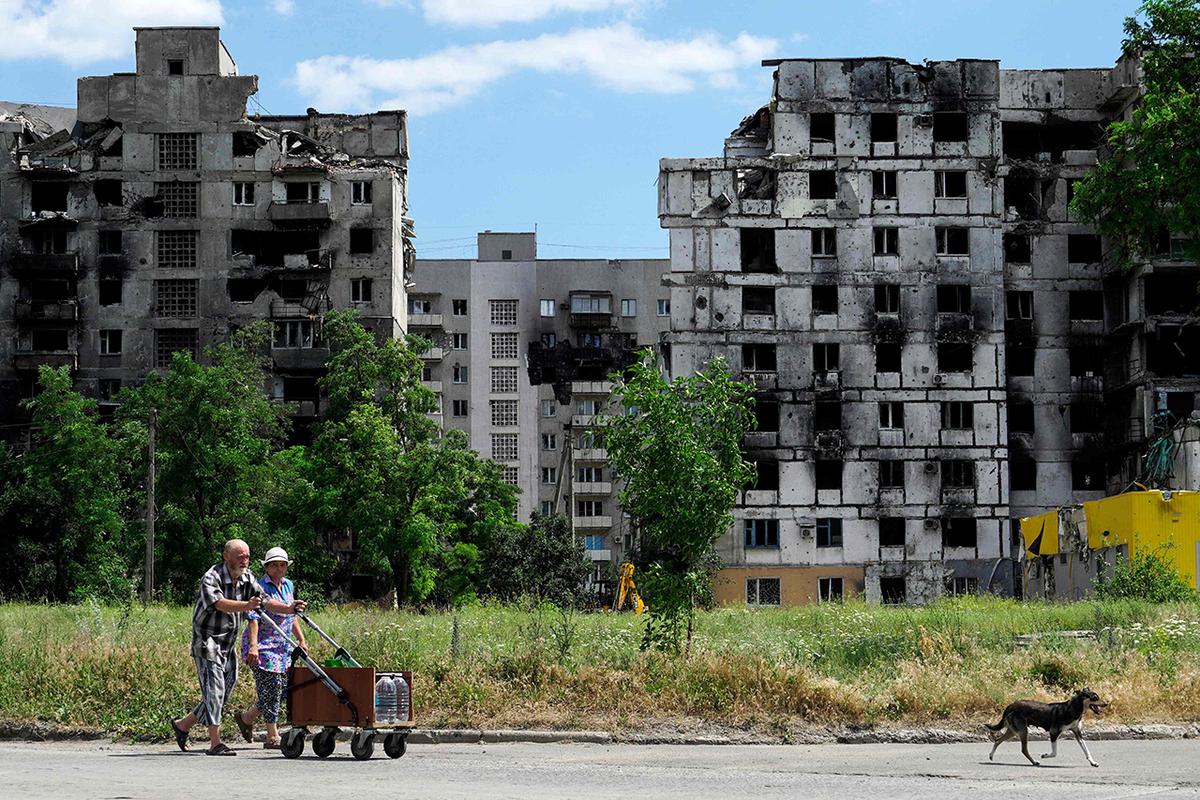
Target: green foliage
678	448
1150	178
544	560
62	502
1145	576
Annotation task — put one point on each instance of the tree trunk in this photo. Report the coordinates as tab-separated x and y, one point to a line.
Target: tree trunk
399	563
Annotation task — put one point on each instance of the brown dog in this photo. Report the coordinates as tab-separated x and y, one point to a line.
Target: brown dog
1054	718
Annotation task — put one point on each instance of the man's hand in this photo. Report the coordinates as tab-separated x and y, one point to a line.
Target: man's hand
252	656
253	603
297	606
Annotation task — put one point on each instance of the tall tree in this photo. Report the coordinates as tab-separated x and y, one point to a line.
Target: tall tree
545	560
678	448
61	502
1150	179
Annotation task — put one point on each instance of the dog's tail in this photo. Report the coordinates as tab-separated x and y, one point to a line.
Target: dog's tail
995	727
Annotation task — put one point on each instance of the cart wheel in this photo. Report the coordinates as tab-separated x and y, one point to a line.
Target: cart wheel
293	743
362	745
395	744
323	742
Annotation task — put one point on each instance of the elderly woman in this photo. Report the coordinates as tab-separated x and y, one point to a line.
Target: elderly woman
267	652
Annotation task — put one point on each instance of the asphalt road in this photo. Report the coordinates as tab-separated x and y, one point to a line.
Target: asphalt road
1157	769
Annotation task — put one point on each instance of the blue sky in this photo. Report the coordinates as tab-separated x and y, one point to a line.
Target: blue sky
546	112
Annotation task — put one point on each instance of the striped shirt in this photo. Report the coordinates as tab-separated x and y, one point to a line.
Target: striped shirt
215	633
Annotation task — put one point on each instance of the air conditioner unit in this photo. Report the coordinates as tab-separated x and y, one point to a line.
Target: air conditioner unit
930	524
924	120
939	378
806	532
930	467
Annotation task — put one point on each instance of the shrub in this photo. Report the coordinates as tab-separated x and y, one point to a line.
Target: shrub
1145	576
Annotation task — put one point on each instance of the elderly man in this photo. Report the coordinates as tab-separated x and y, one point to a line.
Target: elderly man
228	592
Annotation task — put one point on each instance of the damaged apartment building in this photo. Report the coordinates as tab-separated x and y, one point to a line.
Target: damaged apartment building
522	350
940	348
157	217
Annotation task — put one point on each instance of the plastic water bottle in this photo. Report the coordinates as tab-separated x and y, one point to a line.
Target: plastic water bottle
385	700
403	700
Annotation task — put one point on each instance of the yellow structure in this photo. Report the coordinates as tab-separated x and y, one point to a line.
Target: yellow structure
1072	537
627	590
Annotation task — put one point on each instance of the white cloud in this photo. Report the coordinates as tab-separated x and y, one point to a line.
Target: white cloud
283	7
83	31
493	12
618	56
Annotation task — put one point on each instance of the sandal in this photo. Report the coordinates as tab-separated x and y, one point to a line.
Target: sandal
247	730
275	744
181	736
220	749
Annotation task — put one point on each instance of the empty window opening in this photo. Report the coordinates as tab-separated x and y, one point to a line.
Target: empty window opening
887	298
362	241
1020	416
1087	476
829	529
829	477
824	241
954	357
506	255
950	183
1017	249
292	290
269	248
1169	294
950	126
827	416
1083	248
1047	140
887	357
826	357
825	299
1087	304
1087	417
766	475
758	357
958	415
1086	361
756	184
1174	351
300	388
174	66
1022	195
302	192
830	590
52	340
758	300
953	242
1020	360
758	249
959	532
245	143
822	184
883	184
1181	404
892	591
766	414
891	532
761	532
1019	305
821	127
110	291
108	192
47	290
244	290
109	242
954	299
891	474
887	241
1022	474
48	195
883	127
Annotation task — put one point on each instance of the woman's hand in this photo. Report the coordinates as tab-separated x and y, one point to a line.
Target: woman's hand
252	656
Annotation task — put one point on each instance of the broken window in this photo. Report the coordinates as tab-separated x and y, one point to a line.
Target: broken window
1019	305
244	290
362	241
1017	248
891	474
110	342
48	241
1168	293
760	532
1087	304
821	127
954	357
958	473
270	247
891	415
891	532
766	475
1020	416
178	199
176	249
954	299
177	151
762	591
1083	248
959	532
1020	360
758	357
360	290
756	184
758	249
953	242
245	143
107	389
824	241
827	415
829	529
825	299
887	357
1022	474
883	184
49	340
892	591
108	192
108	242
1022	196
887	298
1087	476
1168	247
1046	141
302	192
958	415
175	298
1085	361
766	414
822	184
295	334
110	291
1087	417
887	241
950	126
829	590
243	193
1174	350
168	341
883	127
299	389
758	300
458	307
826	357
48	195
360	193
950	183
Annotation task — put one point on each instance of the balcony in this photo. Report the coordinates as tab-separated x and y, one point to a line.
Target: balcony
587	420
887	329
602	488
827	381
300	358
433	386
591	320
302	408
308	308
591	454
60	263
424	320
31	360
958	495
298	213
600	555
762	379
830	444
591	387
954	327
434	354
588	523
311	260
52	310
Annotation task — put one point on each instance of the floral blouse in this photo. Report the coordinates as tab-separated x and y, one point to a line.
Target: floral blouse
274	653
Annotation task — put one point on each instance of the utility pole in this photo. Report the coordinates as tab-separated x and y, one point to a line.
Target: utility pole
151	511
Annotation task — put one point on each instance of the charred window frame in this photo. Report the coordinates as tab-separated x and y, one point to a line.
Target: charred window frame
891	474
758	249
1019	305
758	300
954	298
953	241
891	532
887	241
949	184
887	357
828	475
883	127
758	357
955	357
962	532
824	241
825	298
822	184
821	126
883	184
887	298
950	126
827	357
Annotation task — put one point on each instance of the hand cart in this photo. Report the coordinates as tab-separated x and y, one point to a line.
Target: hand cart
337	697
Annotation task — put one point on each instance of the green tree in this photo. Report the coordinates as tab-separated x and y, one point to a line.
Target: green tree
678	449
1150	178
545	560
217	434
1144	576
61	502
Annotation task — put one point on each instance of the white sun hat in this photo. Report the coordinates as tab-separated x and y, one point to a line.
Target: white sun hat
276	554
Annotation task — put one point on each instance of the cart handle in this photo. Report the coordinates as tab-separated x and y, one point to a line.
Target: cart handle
300	653
340	651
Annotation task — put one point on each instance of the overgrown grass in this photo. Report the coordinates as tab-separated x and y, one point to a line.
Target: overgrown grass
955	662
